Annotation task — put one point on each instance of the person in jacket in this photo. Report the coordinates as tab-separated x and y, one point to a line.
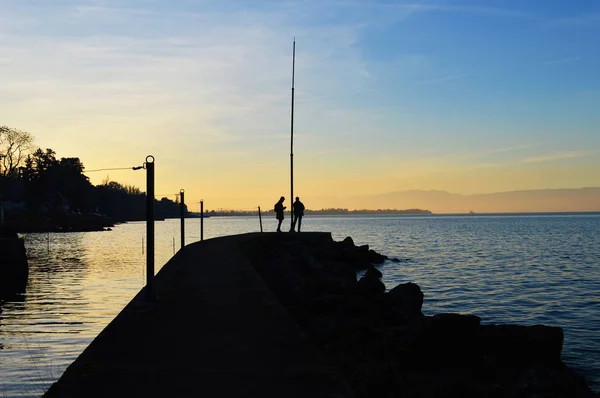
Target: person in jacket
279	208
298	213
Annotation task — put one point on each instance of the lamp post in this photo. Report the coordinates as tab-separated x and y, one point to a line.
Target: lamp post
149	166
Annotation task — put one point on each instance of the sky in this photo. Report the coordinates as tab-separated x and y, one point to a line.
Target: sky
467	97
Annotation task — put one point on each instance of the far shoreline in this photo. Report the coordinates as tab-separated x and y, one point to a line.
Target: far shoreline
234	213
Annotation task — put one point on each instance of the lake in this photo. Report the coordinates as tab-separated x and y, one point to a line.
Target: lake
519	269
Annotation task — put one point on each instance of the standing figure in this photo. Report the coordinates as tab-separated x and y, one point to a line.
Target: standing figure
298	213
279	208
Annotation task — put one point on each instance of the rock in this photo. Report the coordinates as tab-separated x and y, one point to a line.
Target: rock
347	242
385	346
372	271
406	300
376	258
542	381
458	323
334	277
520	345
357	257
14	268
451	338
371	285
363	248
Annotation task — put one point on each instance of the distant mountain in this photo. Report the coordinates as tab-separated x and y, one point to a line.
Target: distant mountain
543	200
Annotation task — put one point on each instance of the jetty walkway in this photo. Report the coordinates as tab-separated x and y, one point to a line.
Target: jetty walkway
215	330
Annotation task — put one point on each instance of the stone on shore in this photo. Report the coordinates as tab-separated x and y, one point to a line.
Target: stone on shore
14	268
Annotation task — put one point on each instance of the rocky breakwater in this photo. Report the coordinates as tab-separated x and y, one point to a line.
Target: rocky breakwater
385	346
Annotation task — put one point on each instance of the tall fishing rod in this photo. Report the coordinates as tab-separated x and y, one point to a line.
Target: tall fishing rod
292	141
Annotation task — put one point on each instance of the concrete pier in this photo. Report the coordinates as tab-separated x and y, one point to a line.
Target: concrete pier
215	330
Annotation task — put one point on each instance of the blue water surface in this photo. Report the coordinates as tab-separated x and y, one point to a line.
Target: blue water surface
519	269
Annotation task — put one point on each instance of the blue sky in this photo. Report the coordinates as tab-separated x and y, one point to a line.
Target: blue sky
463	96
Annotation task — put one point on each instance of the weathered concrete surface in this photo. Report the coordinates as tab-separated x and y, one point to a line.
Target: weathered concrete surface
216	330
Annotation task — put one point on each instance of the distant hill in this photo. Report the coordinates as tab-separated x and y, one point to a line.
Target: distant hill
543	200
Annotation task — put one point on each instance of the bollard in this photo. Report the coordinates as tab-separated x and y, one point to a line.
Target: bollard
201	220
260	219
182	216
149	166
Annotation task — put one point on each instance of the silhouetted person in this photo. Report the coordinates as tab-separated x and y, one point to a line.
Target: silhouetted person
279	208
298	213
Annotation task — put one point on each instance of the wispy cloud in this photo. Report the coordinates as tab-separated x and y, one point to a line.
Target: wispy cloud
309	97
495	11
442	79
561	61
486	152
557	156
583	20
415	7
506	149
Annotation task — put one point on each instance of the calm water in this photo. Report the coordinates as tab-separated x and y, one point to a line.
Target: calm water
524	269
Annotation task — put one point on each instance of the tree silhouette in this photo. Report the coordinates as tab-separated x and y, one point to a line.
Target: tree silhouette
14	147
59	196
38	184
71	184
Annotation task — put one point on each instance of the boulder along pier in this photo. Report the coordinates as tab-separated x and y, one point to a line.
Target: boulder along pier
285	315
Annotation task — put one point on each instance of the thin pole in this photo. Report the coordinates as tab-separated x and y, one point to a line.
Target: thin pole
260	219
182	215
201	220
150	225
292	141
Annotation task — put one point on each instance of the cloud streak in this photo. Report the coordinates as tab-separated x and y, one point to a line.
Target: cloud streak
442	79
561	61
557	156
590	19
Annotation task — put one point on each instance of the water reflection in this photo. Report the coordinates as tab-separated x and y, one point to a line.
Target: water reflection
36	327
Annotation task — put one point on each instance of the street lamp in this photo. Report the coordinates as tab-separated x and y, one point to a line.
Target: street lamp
149	166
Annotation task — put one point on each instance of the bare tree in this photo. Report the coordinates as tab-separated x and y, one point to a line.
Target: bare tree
15	145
